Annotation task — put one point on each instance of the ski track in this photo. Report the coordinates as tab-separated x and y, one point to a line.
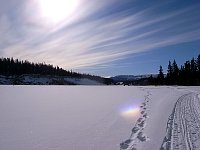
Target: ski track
137	134
183	126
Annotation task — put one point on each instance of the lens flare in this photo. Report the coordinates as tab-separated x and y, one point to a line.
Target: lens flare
130	108
130	112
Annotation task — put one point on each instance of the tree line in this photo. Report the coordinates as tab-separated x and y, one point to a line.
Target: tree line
10	66
16	67
186	74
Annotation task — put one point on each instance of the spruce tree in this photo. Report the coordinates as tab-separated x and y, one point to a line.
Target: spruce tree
161	76
198	63
193	65
175	72
169	73
198	70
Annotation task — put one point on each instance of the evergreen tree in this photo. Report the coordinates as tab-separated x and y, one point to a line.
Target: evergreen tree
193	71
169	73
198	70
188	74
175	72
198	63
193	65
161	76
181	75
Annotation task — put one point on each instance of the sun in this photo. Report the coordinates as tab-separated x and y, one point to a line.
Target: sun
55	11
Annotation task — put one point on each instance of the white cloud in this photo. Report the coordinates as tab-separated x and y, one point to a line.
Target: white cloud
91	43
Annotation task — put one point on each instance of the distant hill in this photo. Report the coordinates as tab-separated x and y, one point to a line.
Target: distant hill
124	78
15	71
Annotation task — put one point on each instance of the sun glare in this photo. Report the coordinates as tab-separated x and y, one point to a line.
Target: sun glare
56	11
130	112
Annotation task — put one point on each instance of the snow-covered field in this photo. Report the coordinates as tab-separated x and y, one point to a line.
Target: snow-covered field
99	118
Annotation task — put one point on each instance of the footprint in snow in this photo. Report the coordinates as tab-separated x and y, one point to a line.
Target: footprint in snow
142	112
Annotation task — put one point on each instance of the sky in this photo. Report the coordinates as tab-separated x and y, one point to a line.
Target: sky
101	37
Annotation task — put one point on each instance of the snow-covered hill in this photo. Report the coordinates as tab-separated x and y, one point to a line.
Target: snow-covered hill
46	80
122	78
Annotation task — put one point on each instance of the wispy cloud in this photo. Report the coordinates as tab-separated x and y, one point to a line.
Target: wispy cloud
90	41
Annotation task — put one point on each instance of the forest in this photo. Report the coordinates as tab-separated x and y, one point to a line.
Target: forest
16	67
186	74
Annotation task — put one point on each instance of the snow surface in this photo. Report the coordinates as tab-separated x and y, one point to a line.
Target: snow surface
98	117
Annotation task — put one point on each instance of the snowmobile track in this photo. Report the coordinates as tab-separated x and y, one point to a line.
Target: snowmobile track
183	126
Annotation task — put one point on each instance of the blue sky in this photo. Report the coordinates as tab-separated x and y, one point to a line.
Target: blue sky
103	37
